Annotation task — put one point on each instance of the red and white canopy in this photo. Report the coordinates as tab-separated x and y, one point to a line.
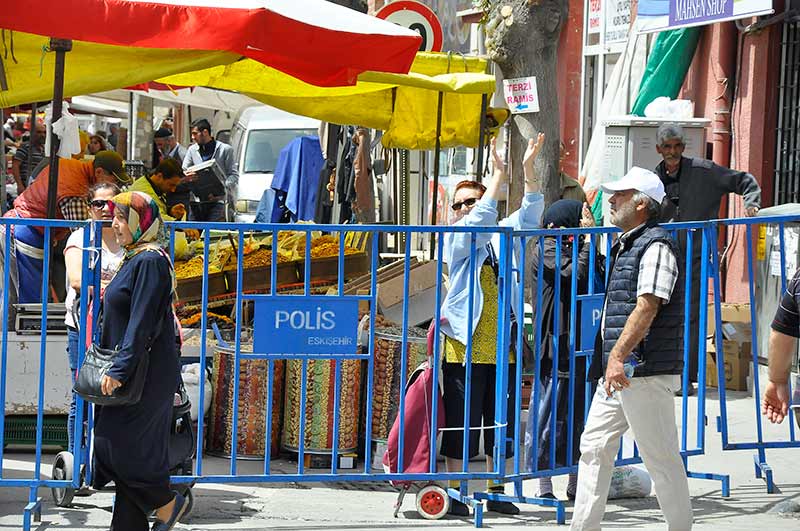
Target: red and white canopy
313	40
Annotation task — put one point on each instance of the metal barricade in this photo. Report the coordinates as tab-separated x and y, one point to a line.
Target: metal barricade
588	304
47	363
767	436
272	309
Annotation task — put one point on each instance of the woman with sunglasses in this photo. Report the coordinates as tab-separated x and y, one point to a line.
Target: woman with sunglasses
476	206
110	259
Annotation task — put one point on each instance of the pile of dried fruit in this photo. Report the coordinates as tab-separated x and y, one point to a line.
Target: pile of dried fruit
194	320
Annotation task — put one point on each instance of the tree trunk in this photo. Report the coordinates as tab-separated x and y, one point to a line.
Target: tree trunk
522	39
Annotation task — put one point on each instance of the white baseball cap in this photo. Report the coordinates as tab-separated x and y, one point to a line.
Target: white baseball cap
641	180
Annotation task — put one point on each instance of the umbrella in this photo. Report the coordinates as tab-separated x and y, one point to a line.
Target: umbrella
314	40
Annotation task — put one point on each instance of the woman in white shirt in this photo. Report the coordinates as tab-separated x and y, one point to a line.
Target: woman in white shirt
110	258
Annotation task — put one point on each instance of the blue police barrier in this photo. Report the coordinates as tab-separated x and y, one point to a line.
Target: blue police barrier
308	326
767	264
585	311
43	363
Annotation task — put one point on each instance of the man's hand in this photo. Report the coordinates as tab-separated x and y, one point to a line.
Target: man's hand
177	211
751	212
775	404
109	384
615	379
192	234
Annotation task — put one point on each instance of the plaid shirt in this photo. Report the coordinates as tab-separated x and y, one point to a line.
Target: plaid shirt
658	272
74	208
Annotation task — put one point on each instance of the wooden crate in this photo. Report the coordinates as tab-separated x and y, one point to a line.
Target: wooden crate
259	278
327	268
191	289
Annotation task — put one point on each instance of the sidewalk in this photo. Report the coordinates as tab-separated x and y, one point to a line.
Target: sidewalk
368	506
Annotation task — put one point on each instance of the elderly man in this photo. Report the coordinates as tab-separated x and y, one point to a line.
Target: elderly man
75	177
206	148
782	347
168	146
695	189
638	350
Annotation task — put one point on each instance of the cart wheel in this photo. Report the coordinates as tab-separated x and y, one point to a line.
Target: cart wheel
432	502
189	504
63	470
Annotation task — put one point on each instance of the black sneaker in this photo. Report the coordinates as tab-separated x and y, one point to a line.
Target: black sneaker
458	508
502	507
571	495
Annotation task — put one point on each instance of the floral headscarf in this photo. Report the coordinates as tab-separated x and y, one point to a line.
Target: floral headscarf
145	223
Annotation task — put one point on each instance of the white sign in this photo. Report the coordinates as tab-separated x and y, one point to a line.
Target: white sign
618	20
595	11
521	95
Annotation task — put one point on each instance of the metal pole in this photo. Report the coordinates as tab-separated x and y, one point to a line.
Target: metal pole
436	153
29	159
4	167
481	138
61	47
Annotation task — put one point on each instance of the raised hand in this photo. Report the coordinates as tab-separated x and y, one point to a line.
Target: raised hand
533	150
497	161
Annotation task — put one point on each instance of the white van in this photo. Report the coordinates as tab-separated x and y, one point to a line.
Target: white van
258	135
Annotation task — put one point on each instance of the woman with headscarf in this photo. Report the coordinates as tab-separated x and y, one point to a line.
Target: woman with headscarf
565	213
131	442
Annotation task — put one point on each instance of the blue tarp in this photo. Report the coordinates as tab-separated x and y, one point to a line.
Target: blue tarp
296	179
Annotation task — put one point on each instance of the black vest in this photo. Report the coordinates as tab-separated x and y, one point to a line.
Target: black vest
662	348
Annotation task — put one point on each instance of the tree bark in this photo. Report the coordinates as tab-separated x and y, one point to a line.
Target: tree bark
522	39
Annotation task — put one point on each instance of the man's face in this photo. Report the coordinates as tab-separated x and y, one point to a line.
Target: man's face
671	150
39	134
166	186
161	143
623	209
201	137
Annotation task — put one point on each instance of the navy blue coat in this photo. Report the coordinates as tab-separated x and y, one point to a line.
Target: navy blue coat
131	442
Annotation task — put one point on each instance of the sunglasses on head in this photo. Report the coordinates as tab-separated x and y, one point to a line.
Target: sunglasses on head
466	202
98	203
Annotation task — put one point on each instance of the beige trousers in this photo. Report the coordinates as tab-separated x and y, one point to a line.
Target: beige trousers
646	407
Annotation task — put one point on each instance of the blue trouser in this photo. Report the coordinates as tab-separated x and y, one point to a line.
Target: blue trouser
29	247
72	353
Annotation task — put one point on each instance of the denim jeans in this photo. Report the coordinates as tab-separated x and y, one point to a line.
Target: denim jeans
72	353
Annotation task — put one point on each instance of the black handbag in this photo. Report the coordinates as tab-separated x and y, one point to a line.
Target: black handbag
97	362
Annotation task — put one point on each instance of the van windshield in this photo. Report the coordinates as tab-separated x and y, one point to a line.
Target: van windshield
264	146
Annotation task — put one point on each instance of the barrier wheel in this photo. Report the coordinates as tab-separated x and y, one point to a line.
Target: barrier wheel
63	470
432	502
189	504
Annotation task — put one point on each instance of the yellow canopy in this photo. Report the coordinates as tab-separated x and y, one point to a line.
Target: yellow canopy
89	67
402	105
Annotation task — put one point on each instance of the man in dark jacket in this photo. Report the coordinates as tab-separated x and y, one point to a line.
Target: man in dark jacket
694	190
639	352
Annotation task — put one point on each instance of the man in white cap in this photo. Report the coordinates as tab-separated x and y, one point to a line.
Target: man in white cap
638	358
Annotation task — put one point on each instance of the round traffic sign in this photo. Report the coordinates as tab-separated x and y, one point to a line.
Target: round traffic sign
418	17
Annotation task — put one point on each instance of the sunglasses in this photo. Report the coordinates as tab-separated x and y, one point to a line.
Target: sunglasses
466	202
98	203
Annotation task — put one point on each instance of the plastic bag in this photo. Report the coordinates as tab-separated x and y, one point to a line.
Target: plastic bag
663	107
66	128
629	482
191	380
